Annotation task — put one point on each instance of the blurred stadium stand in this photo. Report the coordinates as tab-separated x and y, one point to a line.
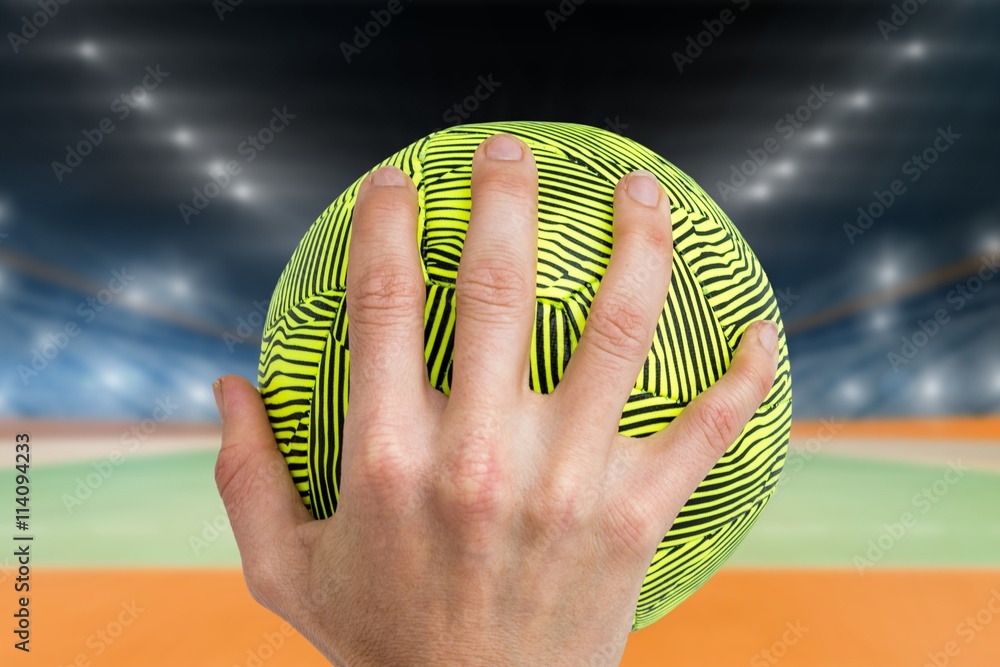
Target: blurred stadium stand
847	305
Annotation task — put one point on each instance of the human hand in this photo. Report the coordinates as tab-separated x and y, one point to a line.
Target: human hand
496	525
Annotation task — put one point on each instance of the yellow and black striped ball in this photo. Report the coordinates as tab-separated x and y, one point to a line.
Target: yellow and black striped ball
718	288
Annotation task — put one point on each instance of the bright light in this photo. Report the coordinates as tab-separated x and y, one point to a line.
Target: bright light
860	100
915	50
820	137
785	168
888	273
990	243
200	394
182	137
179	286
134	297
144	102
996	379
881	321
112	379
852	391
216	166
242	191
88	50
930	387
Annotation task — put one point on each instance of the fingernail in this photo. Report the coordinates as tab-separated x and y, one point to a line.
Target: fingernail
643	188
503	147
389	175
767	335
220	404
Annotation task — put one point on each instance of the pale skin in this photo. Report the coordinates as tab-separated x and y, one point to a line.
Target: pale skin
496	525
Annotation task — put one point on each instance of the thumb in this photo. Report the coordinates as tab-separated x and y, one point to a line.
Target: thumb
256	487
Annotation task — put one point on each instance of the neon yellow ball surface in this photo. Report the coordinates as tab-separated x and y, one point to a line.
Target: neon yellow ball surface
717	288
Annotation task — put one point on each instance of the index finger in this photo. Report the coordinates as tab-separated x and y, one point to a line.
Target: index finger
385	295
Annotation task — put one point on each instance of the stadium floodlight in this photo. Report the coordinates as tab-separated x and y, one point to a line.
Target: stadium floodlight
760	191
243	191
915	50
88	50
852	391
179	286
930	387
785	168
860	100
881	320
182	137
820	137
888	272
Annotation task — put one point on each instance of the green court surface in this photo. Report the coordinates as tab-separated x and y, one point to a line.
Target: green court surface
828	511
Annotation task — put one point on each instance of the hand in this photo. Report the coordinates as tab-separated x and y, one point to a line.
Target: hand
494	526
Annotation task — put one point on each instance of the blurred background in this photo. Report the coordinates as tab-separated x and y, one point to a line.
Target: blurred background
163	159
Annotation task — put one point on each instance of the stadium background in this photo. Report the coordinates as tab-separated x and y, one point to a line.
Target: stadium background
882	544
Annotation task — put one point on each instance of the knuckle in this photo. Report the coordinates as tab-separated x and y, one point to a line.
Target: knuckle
471	486
491	283
718	423
507	184
232	478
264	583
631	525
382	293
561	504
618	327
385	470
382	204
758	381
651	239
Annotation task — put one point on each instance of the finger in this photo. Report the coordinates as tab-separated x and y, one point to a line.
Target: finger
385	295
495	291
674	461
619	330
260	498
